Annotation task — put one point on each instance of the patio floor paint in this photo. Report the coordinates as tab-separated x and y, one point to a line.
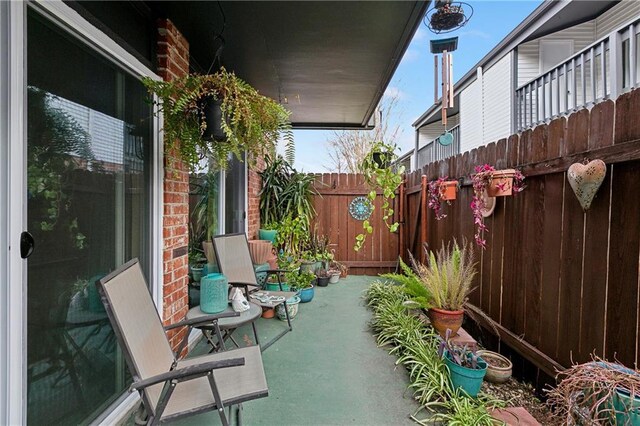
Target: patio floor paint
328	370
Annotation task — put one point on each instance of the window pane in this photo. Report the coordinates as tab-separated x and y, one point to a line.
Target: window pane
88	179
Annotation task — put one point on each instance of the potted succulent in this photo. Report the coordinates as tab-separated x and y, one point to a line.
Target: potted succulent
323	277
486	181
466	368
440	190
499	368
380	179
250	122
303	283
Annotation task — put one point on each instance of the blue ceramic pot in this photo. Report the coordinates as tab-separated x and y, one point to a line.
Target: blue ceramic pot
306	294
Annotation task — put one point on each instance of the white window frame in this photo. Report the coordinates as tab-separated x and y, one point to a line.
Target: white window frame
13	15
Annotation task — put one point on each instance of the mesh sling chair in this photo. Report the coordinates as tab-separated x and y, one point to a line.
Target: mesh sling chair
172	388
235	262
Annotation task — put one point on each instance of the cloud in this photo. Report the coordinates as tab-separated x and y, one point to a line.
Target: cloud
395	92
476	33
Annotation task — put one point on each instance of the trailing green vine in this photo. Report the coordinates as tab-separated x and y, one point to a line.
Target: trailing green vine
381	174
251	122
416	346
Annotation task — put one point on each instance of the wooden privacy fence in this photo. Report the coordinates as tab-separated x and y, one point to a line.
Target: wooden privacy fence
380	252
562	283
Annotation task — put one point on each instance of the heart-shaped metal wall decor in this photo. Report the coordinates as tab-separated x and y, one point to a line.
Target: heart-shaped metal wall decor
585	180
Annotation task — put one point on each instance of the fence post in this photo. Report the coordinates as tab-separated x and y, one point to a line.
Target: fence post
401	217
423	217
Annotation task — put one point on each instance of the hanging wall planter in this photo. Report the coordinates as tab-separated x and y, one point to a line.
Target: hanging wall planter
448	190
489	183
440	190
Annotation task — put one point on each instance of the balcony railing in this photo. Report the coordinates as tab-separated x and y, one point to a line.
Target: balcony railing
433	151
601	71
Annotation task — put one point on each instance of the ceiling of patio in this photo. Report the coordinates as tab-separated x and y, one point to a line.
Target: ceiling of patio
332	61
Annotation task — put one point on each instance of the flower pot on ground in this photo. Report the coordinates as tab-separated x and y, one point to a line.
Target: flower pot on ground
196	273
261	251
307	265
303	283
499	368
443	319
323	277
334	276
268	313
466	368
293	304
597	392
274	286
268	234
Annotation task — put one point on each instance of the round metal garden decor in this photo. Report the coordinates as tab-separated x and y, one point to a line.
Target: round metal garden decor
360	208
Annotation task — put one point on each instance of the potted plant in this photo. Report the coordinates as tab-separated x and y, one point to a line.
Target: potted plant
466	368
383	179
499	368
447	283
274	281
323	277
505	182
251	123
334	275
197	260
344	269
286	195
597	392
303	283
440	190
292	304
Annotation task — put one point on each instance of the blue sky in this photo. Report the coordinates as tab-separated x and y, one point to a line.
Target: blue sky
413	79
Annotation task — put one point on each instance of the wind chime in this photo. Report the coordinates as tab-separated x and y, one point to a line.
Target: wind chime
442	50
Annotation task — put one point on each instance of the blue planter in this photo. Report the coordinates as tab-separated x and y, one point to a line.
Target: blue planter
467	379
267	234
306	294
276	287
214	293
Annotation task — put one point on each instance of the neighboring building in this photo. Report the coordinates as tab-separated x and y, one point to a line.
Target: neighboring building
83	169
536	73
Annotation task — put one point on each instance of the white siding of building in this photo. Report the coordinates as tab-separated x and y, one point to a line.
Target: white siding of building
470	116
497	98
434	130
529	53
615	17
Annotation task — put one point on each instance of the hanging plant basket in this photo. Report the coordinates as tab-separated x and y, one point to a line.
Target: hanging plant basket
212	120
381	159
447	16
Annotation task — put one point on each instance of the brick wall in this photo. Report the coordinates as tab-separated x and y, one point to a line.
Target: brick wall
254	184
173	62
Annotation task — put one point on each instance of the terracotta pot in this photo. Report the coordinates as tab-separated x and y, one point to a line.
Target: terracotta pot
502	183
268	313
496	374
448	190
442	320
261	251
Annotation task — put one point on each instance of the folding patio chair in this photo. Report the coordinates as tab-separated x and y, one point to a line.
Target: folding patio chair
172	388
235	262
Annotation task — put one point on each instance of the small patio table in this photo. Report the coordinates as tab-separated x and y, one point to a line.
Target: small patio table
227	325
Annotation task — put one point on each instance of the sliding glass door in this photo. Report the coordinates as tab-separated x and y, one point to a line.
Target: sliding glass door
89	133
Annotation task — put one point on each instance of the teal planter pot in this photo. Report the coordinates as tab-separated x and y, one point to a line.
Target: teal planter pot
276	287
292	305
627	408
467	379
306	294
268	234
214	293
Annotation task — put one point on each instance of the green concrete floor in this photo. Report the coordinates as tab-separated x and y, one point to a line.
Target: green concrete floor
328	370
